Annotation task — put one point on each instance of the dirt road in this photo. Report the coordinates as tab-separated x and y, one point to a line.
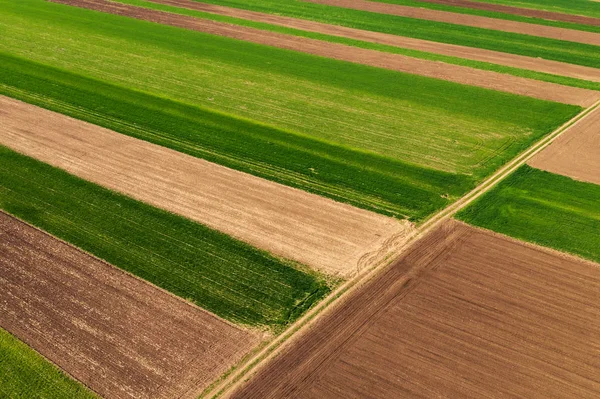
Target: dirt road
466	313
576	153
118	335
453	73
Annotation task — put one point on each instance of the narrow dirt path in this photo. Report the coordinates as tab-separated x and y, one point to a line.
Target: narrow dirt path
467	20
471	53
453	73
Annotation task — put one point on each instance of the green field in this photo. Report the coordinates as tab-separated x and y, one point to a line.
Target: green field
567	81
395	143
215	271
574	53
588	8
24	374
543	208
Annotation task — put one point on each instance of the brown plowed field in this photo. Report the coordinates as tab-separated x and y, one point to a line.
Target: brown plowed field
576	153
454	73
118	335
464	314
316	231
467	20
495	57
525	12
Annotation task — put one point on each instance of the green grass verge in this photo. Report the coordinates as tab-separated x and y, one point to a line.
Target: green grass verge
546	77
206	267
493	14
25	374
588	8
532	46
542	208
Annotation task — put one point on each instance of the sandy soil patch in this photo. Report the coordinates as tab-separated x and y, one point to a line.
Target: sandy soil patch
465	314
525	12
333	237
118	335
471	53
454	73
576	153
467	20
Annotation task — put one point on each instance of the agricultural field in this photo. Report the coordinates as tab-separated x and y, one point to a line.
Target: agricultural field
588	8
302	198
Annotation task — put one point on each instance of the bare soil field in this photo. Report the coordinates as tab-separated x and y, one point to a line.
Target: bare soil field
576	153
525	12
453	73
118	335
471	53
465	313
467	20
333	237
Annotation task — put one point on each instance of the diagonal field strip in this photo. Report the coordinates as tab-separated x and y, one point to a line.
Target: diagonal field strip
454	73
321	233
452	50
227	386
467	20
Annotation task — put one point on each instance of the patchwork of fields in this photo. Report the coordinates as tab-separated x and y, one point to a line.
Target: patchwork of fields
229	198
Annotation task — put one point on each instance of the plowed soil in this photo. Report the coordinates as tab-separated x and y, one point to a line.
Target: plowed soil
471	53
316	231
525	12
467	20
576	153
454	73
465	314
118	335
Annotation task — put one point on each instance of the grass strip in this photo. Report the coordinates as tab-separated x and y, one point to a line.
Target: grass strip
543	208
588	8
26	374
546	77
206	267
508	42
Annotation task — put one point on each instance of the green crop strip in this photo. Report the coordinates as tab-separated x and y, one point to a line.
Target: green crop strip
211	269
567	81
532	46
576	7
543	208
26	374
493	14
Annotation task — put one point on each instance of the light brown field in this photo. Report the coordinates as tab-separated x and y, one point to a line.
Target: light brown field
467	20
471	53
327	235
396	62
576	153
118	335
465	313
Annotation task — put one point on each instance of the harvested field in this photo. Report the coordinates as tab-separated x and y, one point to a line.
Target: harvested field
525	12
327	235
465	314
396	62
467	20
120	336
576	153
471	53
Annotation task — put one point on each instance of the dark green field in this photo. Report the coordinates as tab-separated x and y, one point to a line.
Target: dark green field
588	8
543	208
216	272
24	374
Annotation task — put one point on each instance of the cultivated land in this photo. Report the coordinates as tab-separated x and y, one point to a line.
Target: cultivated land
576	153
589	8
118	335
26	374
549	32
543	208
208	268
396	62
411	47
327	235
466	313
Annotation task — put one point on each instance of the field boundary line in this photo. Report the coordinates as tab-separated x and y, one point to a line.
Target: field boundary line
226	387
